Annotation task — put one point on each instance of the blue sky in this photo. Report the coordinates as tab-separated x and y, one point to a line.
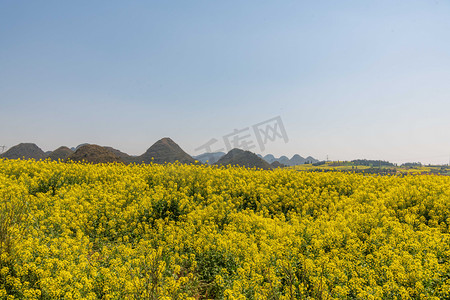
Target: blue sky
350	79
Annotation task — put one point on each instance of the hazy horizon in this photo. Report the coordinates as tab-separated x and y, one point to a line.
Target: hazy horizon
348	79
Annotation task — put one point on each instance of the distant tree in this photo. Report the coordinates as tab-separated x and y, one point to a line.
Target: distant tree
372	163
411	165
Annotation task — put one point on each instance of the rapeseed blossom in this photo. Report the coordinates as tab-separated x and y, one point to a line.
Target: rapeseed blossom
110	231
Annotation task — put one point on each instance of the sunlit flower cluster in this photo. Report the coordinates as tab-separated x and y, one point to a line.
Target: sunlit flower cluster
113	231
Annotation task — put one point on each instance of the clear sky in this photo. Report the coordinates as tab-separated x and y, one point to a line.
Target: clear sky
349	79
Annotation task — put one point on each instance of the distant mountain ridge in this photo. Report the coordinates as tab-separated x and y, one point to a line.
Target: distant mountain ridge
294	161
94	154
284	161
77	147
276	164
243	158
124	157
24	150
61	153
163	151
209	157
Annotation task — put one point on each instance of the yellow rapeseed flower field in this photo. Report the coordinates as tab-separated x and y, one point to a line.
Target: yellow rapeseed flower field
110	231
